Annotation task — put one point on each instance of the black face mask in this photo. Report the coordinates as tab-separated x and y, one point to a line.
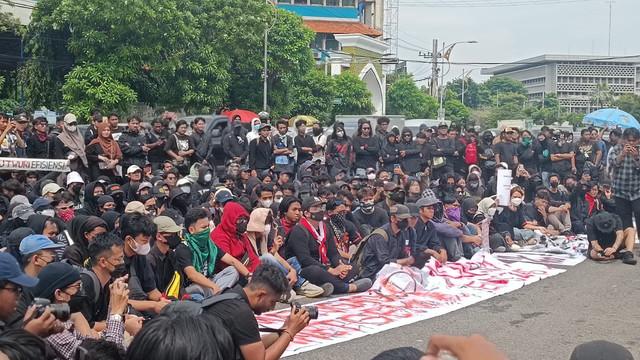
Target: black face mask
241	227
118	271
159	203
181	201
339	220
173	241
76	302
554	184
403	224
398	197
317	216
317	132
571	187
76	188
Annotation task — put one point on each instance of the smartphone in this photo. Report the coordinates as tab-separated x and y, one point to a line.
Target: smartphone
396	166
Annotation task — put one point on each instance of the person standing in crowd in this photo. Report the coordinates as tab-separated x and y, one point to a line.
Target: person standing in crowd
527	152
390	153
624	160
310	242
339	152
615	138
22	131
39	146
365	146
235	144
179	147
544	149
320	140
563	157
261	150
381	129
133	145
70	145
103	154
114	123
507	150
444	153
156	138
588	155
201	141
92	131
305	144
282	148
410	154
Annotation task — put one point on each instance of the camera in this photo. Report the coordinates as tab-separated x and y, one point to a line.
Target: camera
312	310
60	311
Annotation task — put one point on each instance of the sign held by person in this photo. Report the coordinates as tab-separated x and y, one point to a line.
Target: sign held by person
34	164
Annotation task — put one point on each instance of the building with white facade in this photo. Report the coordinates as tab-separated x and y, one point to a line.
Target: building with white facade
572	77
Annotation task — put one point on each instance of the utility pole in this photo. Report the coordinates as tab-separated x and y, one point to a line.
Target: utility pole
609	51
462	86
264	75
434	69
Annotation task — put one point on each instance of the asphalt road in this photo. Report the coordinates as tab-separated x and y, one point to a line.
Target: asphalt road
544	320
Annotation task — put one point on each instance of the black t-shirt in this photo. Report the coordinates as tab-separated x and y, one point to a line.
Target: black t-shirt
99	310
141	279
238	318
605	240
585	151
304	141
184	259
562	165
163	265
507	151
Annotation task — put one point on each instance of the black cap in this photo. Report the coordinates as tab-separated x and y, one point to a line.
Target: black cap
600	350
311	202
443	125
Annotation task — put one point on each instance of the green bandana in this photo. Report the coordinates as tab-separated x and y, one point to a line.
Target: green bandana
203	250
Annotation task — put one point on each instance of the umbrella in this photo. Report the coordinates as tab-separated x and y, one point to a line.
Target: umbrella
245	115
611	118
309	119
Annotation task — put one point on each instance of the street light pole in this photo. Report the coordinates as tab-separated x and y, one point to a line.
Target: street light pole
264	75
442	54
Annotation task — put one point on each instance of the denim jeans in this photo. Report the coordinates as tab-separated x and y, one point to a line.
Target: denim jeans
270	259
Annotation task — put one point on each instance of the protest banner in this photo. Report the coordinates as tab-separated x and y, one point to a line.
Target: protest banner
34	164
503	187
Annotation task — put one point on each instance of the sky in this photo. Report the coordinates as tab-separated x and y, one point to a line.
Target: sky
513	33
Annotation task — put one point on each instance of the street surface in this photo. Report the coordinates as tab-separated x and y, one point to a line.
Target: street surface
544	320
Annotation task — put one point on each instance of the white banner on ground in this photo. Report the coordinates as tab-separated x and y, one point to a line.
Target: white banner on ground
34	164
548	259
503	187
451	286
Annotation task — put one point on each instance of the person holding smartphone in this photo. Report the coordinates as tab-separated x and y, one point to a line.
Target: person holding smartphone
8	139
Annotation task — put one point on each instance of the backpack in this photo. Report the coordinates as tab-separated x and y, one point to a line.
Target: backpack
358	256
471	154
198	307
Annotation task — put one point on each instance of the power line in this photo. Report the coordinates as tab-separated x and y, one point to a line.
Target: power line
481	3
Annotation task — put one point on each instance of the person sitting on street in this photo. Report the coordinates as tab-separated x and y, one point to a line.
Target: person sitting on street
608	240
345	232
368	215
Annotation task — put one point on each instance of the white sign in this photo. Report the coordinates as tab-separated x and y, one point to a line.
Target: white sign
503	188
34	164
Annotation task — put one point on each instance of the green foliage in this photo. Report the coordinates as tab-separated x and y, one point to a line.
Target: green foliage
472	92
314	96
404	98
455	111
629	103
572	118
356	99
8	105
504	85
601	96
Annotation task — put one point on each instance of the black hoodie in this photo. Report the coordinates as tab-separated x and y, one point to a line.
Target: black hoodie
201	186
412	158
80	224
178	200
90	207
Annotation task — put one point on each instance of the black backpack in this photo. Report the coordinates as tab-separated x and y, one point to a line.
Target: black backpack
197	307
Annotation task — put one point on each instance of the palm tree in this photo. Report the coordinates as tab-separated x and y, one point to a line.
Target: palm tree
601	96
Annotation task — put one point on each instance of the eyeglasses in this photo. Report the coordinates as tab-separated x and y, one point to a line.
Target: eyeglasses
63	208
366	128
15	290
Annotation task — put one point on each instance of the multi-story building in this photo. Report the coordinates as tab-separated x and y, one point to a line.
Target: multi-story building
348	38
573	78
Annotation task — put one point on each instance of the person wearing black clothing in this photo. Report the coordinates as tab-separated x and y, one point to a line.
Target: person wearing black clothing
366	147
544	157
92	131
201	140
267	285
609	240
235	144
587	153
427	240
410	153
528	153
390	153
180	148
39	146
161	257
261	151
368	215
379	251
443	151
381	129
156	138
83	229
92	191
133	145
507	150
305	145
563	157
310	241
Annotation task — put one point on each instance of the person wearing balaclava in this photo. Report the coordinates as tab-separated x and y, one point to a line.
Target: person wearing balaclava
70	145
82	229
339	151
92	192
390	153
202	184
178	200
236	145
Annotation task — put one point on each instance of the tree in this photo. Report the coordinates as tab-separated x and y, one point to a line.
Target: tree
504	85
313	95
354	97
601	96
629	103
456	111
471	92
404	98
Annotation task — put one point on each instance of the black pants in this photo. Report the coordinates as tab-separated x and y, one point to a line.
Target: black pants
627	209
319	276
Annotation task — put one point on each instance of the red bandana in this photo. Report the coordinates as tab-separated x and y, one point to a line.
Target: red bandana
321	238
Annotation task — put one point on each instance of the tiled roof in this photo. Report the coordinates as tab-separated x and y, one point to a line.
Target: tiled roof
341	27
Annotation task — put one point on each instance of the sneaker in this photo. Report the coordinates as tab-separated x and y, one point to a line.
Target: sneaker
327	289
309	290
514	247
628	258
500	249
363	284
288	297
531	241
521	243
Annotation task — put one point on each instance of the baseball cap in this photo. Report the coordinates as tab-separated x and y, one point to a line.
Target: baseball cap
428	198
22	118
114	189
223	196
19	199
158	191
504	165
360	174
70	118
10	271
245	168
443	124
509	129
51	188
144	185
414	210
166	224
133	168
311	202
33	243
370	171
264	126
40	203
74	177
22	211
600	350
174	215
390	186
400	211
56	275
237	123
135	207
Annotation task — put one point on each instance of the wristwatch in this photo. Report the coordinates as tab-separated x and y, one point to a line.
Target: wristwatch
117	317
249	275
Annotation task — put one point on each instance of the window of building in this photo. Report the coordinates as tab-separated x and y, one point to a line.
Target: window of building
317	2
300	2
333	2
349	3
332	44
284	2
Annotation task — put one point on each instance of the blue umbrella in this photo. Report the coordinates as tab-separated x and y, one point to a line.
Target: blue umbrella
611	118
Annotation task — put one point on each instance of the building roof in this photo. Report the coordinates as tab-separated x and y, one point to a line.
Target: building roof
341	27
547	58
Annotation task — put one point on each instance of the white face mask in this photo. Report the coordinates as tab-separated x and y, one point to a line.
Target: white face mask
141	249
71	128
340	133
491	212
186	189
371	176
516	202
266	203
48	212
277	200
267	230
207	177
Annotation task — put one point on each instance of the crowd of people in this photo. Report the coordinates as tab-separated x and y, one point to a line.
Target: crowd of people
145	220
